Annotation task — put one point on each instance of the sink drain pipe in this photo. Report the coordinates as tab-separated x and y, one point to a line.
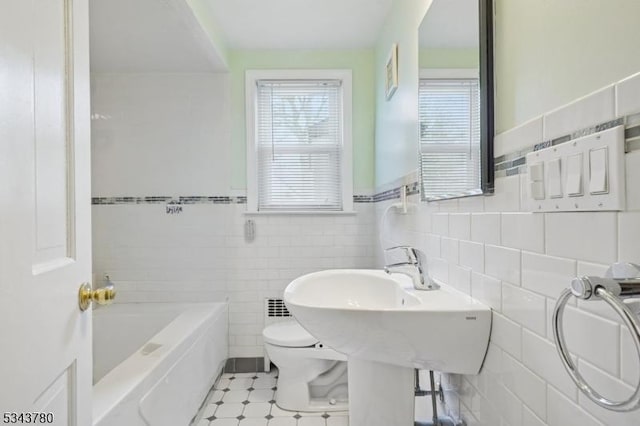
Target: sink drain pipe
436	420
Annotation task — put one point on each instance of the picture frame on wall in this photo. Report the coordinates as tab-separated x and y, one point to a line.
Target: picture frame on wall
392	72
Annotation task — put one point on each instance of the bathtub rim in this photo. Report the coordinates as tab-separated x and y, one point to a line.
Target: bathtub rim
138	369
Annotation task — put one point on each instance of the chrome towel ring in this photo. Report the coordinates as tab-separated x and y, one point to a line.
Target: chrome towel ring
612	291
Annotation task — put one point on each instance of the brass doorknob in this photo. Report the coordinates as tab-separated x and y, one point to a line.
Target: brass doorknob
102	296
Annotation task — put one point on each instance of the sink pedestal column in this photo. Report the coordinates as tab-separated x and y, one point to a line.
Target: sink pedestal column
380	394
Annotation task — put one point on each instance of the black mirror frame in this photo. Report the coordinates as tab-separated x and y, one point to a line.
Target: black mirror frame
487	91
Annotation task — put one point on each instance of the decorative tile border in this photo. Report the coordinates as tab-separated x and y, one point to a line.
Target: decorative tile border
390	194
515	162
196	199
509	164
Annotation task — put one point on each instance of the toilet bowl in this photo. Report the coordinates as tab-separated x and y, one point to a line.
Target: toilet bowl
311	376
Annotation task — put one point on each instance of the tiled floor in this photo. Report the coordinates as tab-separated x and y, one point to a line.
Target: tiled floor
248	399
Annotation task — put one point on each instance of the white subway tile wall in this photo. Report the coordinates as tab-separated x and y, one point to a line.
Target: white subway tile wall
590	110
519	138
490	247
628	95
519	263
201	255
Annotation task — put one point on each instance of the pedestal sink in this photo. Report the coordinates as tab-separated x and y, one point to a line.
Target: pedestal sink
387	328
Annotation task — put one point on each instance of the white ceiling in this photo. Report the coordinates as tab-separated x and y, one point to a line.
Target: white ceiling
164	35
299	24
148	35
450	24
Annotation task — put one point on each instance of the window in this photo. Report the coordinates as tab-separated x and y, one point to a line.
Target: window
299	141
449	114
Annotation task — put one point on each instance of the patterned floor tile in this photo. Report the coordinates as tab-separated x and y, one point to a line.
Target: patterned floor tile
311	414
222	383
253	422
279	412
235	396
266	382
209	410
261	395
240	383
248	399
231	409
245	375
311	421
224	422
283	421
338	421
257	409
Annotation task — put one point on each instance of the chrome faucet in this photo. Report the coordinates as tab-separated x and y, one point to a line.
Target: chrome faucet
414	266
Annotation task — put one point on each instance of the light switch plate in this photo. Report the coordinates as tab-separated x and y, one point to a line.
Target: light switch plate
575	175
576	196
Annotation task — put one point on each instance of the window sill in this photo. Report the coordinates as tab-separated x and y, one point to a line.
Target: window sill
301	213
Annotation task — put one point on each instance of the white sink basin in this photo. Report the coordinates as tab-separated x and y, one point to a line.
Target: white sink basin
374	316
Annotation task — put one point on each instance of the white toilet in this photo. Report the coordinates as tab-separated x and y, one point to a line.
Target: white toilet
311	376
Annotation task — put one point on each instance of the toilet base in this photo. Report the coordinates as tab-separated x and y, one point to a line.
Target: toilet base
319	405
310	378
295	395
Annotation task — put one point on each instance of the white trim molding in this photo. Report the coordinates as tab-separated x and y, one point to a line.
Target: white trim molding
251	79
449	73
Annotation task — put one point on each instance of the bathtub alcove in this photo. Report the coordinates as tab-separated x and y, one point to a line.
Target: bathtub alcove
155	362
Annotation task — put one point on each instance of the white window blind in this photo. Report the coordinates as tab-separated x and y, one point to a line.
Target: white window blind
449	137
299	145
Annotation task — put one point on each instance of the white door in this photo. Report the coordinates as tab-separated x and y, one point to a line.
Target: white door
45	251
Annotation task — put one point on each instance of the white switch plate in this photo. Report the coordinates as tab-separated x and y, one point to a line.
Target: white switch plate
614	199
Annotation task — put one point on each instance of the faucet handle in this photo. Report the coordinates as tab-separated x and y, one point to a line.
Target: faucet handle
411	254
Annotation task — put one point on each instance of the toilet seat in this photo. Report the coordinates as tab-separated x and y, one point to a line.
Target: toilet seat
288	334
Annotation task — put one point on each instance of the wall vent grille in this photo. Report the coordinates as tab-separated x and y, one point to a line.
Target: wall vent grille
275	310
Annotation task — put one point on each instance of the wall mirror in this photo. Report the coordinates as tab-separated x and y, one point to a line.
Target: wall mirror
456	99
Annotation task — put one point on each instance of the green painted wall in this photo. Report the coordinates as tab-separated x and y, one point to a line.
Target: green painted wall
397	119
448	58
549	53
361	64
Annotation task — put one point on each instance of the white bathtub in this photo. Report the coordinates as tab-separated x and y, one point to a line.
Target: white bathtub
155	362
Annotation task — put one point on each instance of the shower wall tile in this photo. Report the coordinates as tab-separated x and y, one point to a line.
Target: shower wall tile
202	255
